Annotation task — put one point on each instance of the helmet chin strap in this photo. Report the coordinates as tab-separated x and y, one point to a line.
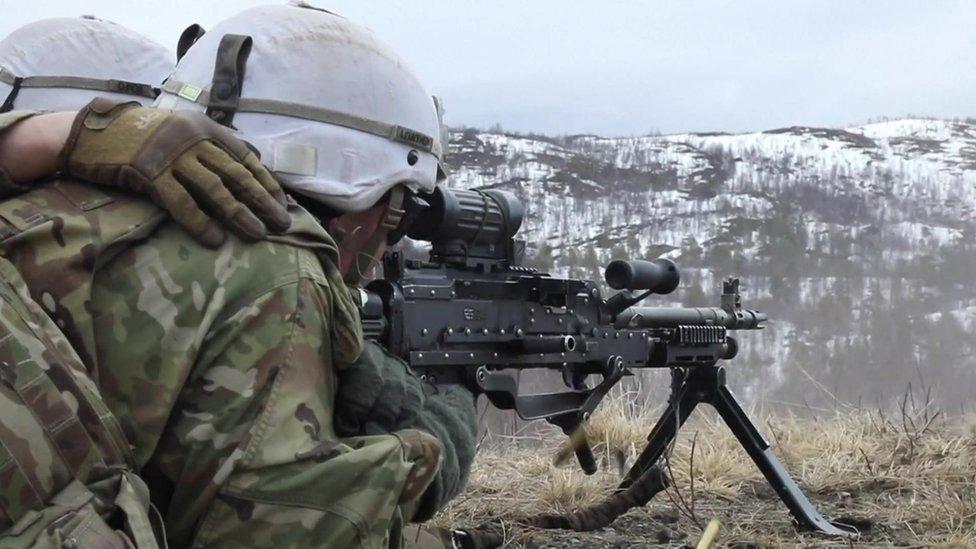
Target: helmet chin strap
368	254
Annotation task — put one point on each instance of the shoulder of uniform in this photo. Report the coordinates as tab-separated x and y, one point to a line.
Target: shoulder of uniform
238	271
307	232
82	211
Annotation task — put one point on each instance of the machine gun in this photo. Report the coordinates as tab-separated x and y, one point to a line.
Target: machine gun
473	312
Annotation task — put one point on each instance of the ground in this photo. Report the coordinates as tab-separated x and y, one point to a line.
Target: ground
904	477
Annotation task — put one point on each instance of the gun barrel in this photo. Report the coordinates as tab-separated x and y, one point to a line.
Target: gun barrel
672	317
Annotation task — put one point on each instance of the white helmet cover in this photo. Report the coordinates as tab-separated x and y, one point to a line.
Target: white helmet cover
334	113
64	63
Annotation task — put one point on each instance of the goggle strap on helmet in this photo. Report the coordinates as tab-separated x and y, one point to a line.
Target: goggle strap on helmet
74	82
393	132
223	100
188	37
228	76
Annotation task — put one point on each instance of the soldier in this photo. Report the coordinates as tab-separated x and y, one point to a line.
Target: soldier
221	364
66	469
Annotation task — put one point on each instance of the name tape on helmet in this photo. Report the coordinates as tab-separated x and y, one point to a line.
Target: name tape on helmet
414	138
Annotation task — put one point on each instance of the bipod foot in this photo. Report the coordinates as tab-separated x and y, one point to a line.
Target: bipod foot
693	386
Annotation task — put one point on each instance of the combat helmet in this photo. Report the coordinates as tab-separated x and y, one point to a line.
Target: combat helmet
63	63
336	115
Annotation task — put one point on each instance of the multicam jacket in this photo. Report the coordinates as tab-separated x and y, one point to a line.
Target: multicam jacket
219	365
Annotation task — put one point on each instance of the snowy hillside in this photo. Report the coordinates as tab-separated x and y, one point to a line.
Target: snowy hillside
857	241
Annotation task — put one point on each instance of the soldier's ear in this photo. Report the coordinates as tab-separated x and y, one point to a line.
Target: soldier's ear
189	37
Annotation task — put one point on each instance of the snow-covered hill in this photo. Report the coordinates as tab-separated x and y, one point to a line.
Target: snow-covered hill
857	241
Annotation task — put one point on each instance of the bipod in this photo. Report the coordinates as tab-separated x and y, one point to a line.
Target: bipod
692	386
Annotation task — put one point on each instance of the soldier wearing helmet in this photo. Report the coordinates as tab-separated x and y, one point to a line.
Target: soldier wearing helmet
224	364
68	469
338	117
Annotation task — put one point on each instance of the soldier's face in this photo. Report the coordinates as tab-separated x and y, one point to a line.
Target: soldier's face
362	241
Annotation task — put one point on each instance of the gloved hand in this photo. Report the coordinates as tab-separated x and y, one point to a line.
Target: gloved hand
183	161
380	394
449	415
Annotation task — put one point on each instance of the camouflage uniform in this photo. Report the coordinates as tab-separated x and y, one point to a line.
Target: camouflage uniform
219	365
65	466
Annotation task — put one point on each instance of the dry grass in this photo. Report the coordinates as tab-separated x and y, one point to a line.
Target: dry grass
907	477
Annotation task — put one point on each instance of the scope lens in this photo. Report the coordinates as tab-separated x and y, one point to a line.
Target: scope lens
659	276
619	274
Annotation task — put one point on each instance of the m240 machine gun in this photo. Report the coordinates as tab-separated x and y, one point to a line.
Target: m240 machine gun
473	313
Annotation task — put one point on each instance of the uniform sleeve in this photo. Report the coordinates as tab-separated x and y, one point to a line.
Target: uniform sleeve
246	454
449	415
7	186
378	393
256	459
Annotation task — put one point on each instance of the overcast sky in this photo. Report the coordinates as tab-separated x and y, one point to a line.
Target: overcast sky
631	67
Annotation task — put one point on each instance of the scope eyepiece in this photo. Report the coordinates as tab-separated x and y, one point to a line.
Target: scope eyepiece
660	276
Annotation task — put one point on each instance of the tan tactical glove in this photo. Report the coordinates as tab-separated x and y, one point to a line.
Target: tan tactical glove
184	161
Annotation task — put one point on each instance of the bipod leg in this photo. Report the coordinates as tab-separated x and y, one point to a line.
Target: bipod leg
803	511
684	397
